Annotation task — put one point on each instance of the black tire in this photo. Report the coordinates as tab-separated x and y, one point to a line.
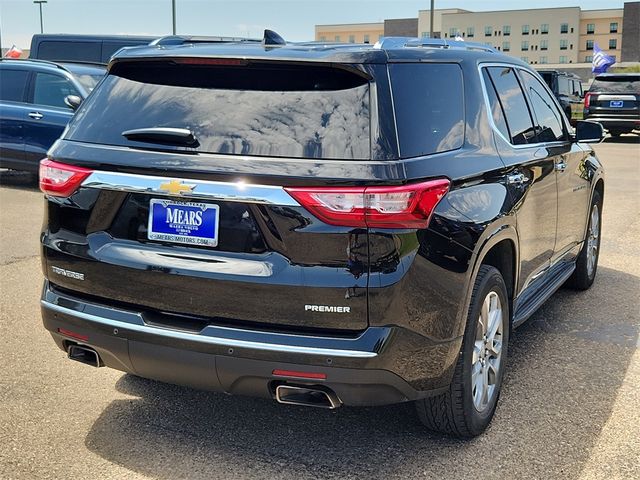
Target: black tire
454	412
582	278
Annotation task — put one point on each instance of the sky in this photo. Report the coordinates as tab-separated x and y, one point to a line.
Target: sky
292	19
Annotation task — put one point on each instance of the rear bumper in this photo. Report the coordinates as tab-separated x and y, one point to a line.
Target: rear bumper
382	365
613	122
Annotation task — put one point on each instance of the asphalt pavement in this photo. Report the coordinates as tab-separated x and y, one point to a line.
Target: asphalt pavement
570	406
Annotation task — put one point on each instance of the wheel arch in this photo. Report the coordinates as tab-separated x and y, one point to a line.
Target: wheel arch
500	240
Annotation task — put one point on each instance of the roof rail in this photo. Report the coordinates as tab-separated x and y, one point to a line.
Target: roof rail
36	60
393	42
182	39
443	43
402	42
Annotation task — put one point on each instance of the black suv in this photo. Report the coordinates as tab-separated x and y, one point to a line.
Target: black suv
614	101
323	225
567	88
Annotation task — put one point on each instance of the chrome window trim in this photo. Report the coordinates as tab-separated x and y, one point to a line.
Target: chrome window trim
490	113
202	189
208	339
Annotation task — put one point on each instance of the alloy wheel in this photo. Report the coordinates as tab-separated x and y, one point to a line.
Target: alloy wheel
487	352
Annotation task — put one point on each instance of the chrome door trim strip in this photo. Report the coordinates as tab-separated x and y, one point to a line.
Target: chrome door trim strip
195	189
208	339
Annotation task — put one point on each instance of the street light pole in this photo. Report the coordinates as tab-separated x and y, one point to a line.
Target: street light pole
40	2
431	19
173	9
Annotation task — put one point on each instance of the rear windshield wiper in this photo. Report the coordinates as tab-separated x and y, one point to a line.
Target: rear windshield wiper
163	135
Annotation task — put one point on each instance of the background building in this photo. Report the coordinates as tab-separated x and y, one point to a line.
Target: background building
543	36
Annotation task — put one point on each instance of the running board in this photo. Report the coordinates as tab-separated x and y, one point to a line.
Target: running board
559	275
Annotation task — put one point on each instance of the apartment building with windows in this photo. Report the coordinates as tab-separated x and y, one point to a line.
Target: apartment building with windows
561	35
549	35
350	32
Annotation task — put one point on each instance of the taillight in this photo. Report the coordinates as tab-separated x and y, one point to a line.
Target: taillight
59	179
587	99
406	206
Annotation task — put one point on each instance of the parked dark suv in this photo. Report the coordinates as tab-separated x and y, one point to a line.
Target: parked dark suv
323	225
567	87
34	109
614	101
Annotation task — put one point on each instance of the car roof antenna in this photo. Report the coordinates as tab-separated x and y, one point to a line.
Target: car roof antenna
271	38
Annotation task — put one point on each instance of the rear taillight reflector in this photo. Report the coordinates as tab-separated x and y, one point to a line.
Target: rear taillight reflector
587	99
295	374
77	336
60	179
406	206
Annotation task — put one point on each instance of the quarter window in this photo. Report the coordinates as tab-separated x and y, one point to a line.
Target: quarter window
497	113
429	105
548	123
12	85
513	104
51	90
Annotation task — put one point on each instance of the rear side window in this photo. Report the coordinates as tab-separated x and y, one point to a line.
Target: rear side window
234	108
617	84
548	122
513	104
564	86
429	106
69	51
12	84
51	90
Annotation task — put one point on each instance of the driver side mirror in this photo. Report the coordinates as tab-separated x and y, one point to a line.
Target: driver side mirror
589	132
72	101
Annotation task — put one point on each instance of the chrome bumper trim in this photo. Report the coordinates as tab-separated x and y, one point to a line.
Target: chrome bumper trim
201	338
194	189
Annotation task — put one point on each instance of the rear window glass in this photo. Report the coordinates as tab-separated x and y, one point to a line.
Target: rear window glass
617	84
429	105
236	109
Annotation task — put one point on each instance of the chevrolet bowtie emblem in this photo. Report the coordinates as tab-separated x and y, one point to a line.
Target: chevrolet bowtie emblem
176	187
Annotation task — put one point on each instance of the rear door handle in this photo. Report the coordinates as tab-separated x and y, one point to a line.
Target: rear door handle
561	166
36	115
517	179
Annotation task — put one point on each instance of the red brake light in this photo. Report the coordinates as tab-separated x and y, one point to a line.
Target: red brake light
211	61
587	99
59	179
406	206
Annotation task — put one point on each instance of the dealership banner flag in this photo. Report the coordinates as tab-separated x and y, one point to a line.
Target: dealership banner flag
601	61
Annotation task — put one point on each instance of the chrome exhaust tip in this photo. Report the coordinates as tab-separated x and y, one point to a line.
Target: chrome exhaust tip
85	355
307	396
